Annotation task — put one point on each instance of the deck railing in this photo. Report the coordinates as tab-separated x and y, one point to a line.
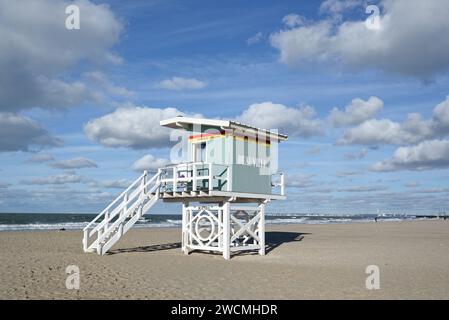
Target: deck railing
202	176
278	181
195	176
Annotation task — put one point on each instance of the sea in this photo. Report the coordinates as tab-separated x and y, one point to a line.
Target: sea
66	221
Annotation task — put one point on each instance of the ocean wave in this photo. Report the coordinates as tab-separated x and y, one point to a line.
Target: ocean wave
56	222
43	226
80	225
175	222
312	220
285	220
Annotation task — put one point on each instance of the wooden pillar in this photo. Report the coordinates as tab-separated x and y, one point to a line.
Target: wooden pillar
194	176
175	180
144	183
220	218
282	185
211	178
226	230
229	178
106	217
125	205
190	229
262	229
85	239
185	233
158	182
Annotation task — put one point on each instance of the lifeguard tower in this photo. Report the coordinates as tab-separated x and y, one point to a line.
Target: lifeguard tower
226	176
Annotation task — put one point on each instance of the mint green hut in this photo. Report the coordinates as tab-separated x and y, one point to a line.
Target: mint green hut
242	159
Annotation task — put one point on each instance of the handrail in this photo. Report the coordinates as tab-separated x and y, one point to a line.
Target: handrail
114	201
121	219
194	168
130	202
116	210
281	183
183	163
151	180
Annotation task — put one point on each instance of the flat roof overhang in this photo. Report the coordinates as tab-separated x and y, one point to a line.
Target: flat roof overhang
186	123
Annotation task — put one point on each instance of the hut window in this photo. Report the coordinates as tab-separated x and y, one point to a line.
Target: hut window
199	151
245	149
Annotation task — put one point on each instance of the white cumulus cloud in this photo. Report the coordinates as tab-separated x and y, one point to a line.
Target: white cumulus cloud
426	155
295	121
75	163
56	179
255	39
149	162
101	79
41	157
412	39
357	156
413	130
441	117
293	20
116	184
356	112
37	51
336	8
179	83
133	127
19	133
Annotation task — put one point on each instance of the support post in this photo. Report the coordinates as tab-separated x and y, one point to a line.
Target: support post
175	179
282	185
125	206
139	211
194	180
220	218
106	218
99	245
189	218
158	182
185	220
262	229
144	182
211	178
229	178
226	230
86	231
120	230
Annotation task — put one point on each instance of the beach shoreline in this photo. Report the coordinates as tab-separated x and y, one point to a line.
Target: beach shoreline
303	261
63	221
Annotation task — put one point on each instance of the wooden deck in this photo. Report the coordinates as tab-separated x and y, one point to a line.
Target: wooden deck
207	196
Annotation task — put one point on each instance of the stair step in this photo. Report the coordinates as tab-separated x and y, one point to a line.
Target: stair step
140	203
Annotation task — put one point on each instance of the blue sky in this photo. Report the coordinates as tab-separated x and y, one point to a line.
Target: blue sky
59	151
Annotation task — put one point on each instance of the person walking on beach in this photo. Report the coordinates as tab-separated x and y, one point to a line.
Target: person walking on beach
375	219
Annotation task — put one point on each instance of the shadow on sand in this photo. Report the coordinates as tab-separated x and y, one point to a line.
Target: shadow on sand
155	247
273	239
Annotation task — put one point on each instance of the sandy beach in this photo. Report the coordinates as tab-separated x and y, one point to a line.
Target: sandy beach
302	262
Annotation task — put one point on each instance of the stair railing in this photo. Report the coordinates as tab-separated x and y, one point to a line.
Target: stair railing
101	223
134	201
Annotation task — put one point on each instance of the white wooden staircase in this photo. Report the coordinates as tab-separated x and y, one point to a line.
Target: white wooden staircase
118	217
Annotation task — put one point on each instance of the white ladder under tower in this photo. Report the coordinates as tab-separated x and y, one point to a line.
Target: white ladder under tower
119	216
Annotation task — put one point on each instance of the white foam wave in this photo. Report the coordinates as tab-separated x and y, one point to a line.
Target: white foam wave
43	226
